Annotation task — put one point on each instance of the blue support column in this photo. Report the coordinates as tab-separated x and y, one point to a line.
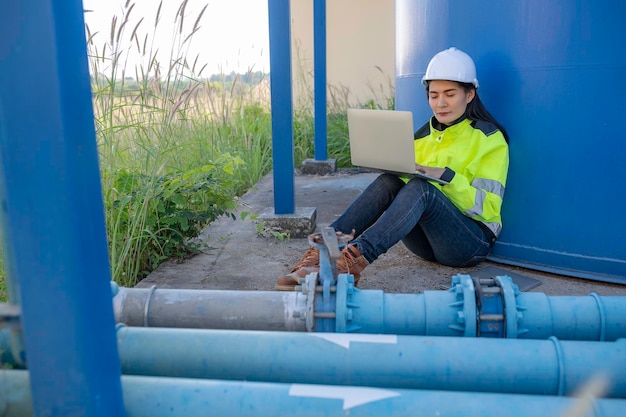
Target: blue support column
282	106
319	51
52	210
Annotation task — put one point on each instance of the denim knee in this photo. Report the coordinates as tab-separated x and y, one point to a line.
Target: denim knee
390	182
420	185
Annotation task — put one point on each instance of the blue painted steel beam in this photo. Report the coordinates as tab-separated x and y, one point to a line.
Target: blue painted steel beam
180	397
52	212
543	367
282	106
319	59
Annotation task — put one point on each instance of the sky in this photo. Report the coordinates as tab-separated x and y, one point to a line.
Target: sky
233	34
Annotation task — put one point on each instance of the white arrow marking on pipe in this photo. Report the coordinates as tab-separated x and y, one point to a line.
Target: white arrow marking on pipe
351	396
344	339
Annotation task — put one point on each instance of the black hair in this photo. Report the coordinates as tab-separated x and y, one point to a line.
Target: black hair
476	110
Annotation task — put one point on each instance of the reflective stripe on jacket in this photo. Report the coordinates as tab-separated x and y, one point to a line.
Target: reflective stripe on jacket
479	156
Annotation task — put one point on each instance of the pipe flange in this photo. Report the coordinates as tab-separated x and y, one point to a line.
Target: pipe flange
602	313
511	314
466	297
308	289
146	310
341	319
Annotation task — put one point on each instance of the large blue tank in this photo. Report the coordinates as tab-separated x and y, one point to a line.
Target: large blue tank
554	74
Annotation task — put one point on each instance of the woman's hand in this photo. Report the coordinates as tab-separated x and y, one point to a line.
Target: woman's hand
432	171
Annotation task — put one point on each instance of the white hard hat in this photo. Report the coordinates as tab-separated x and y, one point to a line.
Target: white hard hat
451	64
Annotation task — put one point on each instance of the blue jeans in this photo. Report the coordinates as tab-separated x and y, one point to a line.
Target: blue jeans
429	225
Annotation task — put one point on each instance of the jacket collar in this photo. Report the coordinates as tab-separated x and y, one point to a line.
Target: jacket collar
455	126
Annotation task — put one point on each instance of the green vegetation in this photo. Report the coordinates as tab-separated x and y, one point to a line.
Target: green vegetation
176	147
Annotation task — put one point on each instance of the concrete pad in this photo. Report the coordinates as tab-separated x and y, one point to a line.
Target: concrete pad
315	167
296	225
237	258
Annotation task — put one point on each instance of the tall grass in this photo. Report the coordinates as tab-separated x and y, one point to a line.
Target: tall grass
176	146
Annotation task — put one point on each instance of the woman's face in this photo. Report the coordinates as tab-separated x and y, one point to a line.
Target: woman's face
448	100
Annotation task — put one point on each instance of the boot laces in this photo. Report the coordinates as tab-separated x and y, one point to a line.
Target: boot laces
311	258
348	258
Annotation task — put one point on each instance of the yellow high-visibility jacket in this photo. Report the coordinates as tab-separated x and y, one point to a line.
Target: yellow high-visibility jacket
476	157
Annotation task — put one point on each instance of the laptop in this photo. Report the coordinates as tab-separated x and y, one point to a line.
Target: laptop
383	140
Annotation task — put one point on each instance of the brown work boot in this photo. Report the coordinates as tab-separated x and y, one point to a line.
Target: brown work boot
351	262
309	263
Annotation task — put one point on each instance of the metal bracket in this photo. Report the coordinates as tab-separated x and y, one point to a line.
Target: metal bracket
325	306
331	242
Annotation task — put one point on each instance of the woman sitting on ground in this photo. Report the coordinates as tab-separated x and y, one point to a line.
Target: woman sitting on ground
454	224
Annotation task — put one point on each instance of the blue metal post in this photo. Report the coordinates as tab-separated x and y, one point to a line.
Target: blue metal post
319	58
52	209
282	106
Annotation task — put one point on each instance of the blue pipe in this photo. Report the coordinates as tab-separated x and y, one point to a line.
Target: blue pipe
206	309
530	367
546	367
279	17
550	366
455	313
574	318
180	397
490	307
350	310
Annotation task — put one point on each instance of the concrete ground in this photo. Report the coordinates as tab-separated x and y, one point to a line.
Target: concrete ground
239	259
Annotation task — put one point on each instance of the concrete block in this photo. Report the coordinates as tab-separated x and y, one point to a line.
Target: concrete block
296	225
314	167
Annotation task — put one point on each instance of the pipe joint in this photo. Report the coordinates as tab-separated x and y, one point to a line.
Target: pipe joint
346	304
486	307
330	290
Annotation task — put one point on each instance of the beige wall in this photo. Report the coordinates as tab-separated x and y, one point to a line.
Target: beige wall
360	43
